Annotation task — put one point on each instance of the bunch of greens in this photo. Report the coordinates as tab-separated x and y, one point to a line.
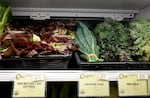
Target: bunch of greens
5	10
87	43
114	40
140	33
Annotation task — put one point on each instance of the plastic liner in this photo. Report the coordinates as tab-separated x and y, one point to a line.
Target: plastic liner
39	62
112	65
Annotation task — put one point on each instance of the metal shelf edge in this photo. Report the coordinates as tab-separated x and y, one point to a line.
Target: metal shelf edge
64	12
66	75
73	10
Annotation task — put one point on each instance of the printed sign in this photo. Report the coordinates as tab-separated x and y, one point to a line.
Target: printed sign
90	85
26	85
132	85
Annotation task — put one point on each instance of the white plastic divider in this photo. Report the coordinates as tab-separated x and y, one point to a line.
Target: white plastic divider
66	75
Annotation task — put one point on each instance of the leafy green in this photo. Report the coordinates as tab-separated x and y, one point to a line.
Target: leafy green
87	43
140	32
113	40
36	38
5	10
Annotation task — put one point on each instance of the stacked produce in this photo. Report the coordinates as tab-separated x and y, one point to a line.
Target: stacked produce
58	37
114	40
109	41
5	10
27	41
140	33
87	43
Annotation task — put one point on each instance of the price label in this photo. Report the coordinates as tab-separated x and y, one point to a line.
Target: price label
148	84
26	85
142	76
103	76
90	85
131	85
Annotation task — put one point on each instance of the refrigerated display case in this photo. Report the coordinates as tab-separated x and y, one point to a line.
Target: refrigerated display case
88	10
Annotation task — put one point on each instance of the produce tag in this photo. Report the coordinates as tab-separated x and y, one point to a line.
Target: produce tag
142	76
148	84
103	77
26	85
38	77
91	86
130	85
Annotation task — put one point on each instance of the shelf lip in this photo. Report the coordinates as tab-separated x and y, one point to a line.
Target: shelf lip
66	75
74	10
65	12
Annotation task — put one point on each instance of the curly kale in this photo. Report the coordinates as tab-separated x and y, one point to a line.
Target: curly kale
114	41
140	32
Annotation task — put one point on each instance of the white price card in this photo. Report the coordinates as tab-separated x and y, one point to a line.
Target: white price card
90	85
142	76
103	76
29	85
132	85
148	84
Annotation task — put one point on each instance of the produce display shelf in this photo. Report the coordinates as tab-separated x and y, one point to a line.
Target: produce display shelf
40	62
132	65
66	75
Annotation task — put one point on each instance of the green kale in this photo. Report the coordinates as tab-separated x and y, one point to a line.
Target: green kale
113	39
140	33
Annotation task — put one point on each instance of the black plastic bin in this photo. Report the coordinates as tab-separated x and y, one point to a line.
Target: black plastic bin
82	64
39	62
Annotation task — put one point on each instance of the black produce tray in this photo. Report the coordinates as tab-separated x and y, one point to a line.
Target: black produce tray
39	62
111	65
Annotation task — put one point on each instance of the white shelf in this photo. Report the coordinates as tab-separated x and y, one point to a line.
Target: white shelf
78	8
47	13
65	75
